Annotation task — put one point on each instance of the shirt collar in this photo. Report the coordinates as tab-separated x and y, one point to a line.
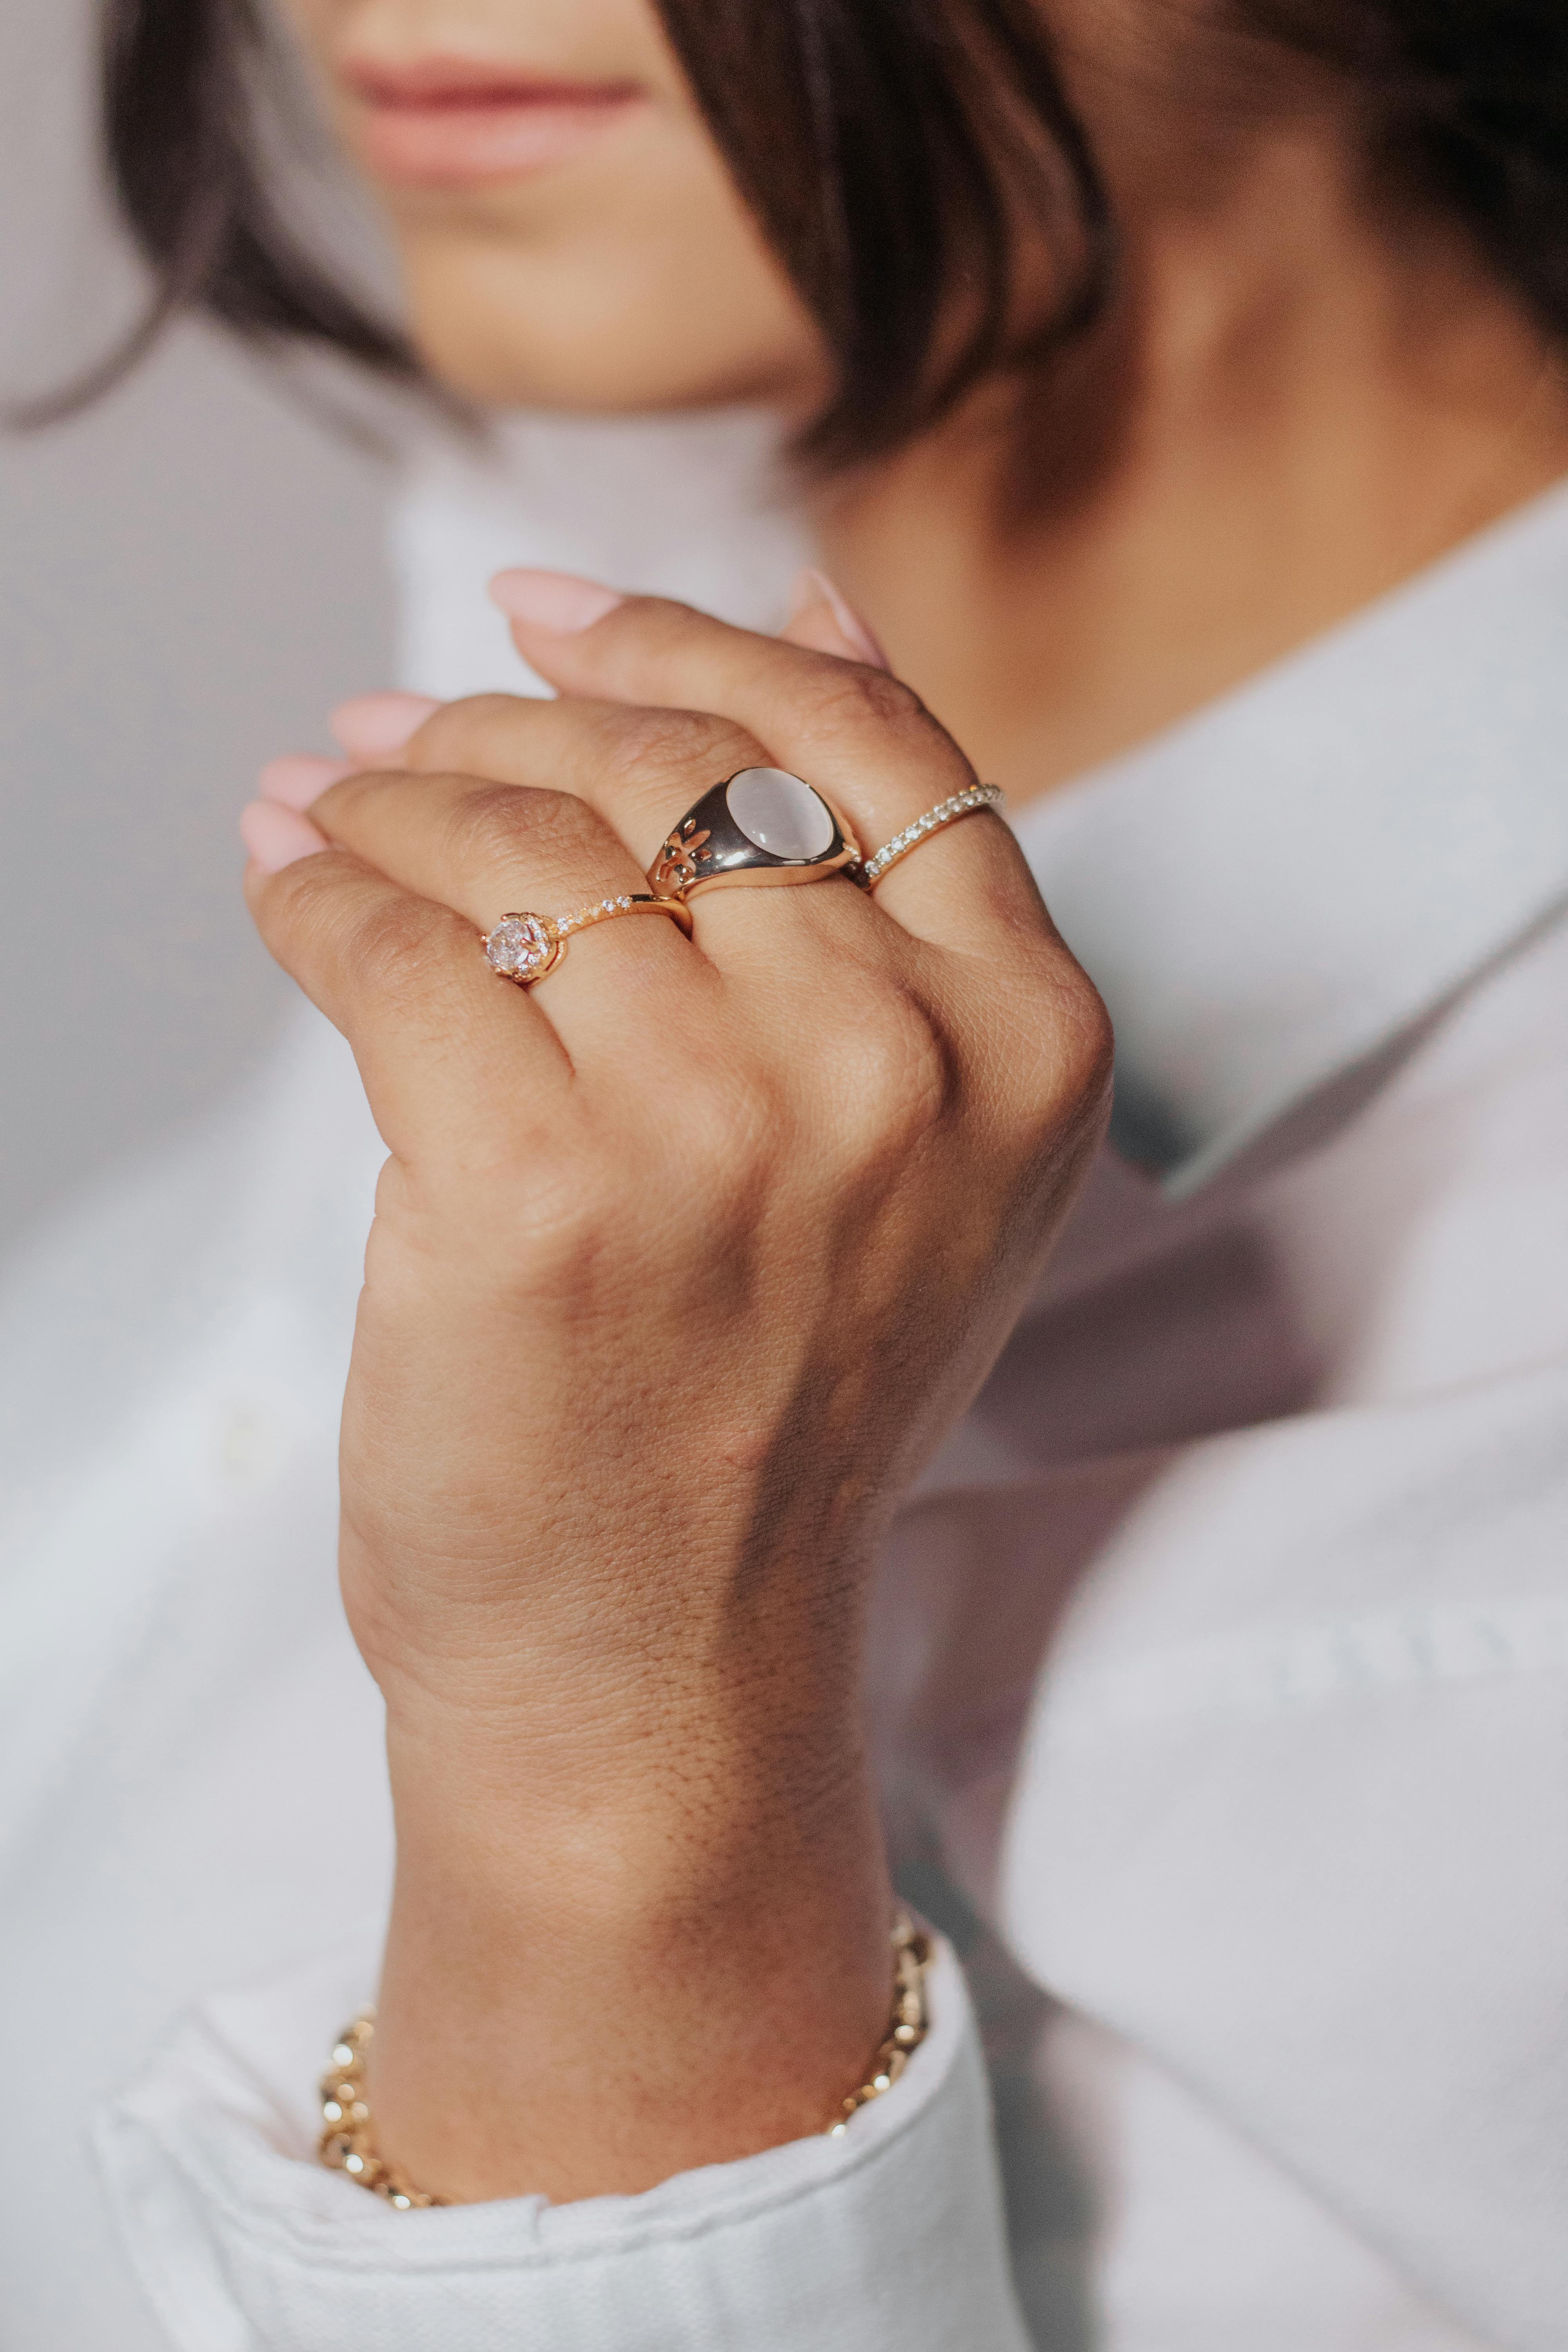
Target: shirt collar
1271	892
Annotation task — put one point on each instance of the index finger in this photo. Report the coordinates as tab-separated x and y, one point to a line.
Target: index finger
863	737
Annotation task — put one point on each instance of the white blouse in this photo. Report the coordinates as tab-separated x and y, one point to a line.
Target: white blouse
1220	1675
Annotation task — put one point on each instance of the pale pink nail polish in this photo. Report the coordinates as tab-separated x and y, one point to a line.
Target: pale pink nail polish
277	836
368	726
557	600
299	778
812	586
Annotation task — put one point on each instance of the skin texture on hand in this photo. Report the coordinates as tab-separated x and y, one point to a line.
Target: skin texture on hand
682	1263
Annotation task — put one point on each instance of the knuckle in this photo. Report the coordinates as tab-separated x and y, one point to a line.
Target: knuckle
742	1120
492	822
1089	1041
532	1235
551	1225
310	904
862	699
658	746
1064	1069
443	739
894	1078
739	1129
399	953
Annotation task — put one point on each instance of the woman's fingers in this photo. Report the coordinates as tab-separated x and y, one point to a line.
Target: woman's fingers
299	778
820	618
454	1061
866	740
371	726
639	770
624	778
484	846
487	849
275	834
376	727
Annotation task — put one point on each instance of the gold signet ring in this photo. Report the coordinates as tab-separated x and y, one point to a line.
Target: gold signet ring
762	825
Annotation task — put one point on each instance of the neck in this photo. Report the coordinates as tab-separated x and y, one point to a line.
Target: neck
1294	403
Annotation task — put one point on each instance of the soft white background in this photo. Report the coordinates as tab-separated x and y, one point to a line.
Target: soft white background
189	578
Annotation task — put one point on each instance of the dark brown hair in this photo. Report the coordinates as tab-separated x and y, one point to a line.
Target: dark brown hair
888	148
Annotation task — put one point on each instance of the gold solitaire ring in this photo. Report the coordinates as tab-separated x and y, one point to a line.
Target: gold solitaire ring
523	947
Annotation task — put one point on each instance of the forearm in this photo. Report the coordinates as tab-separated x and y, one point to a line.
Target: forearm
672	1953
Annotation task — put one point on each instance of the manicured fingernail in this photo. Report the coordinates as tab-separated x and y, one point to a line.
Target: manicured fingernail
557	600
277	836
371	724
814	587
299	778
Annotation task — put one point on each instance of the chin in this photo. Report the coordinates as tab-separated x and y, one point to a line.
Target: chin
604	332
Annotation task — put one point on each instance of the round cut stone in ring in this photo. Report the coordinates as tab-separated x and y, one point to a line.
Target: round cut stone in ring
522	947
779	812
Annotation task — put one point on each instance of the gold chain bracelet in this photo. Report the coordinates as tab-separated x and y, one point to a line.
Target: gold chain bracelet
348	2141
907	2026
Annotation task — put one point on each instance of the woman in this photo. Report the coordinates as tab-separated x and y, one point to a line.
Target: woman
1173	395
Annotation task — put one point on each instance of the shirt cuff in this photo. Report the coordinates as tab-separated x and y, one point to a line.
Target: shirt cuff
890	2236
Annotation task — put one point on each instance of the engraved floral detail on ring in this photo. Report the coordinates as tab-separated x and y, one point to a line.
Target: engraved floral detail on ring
681	857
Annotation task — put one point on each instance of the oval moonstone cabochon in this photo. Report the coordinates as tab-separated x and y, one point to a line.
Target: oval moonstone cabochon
779	812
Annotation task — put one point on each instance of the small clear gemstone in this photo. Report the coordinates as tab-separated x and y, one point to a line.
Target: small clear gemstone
779	812
517	946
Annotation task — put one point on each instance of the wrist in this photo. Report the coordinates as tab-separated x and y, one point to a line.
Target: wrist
584	1998
608	1827
745	1730
642	1908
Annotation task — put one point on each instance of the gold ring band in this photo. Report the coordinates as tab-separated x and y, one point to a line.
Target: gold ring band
522	947
948	812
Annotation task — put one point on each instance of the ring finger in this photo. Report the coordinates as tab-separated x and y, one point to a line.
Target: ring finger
488	850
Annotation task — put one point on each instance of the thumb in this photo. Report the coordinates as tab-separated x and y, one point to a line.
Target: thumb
822	619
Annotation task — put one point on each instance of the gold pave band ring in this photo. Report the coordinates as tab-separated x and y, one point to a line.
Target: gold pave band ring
523	947
948	812
761	824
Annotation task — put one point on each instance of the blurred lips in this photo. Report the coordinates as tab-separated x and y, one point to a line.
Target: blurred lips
447	123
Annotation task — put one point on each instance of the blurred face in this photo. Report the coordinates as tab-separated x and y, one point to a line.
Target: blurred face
569	236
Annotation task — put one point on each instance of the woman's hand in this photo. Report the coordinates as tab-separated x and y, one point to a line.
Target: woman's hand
682	1263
